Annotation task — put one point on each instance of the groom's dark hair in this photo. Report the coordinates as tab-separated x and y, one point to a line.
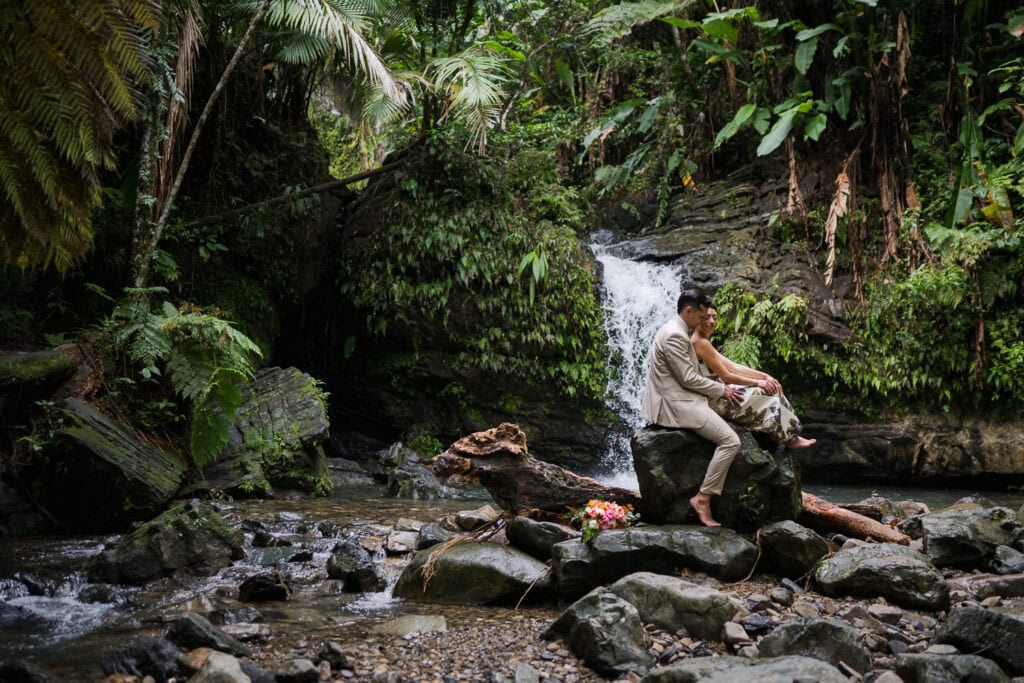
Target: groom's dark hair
697	298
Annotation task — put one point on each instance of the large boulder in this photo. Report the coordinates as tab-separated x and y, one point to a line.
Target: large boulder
965	538
731	669
95	464
474	573
147	656
276	439
580	567
672	604
606	632
192	630
822	639
537	538
932	668
190	538
992	634
353	564
790	549
671	464
888	570
44	369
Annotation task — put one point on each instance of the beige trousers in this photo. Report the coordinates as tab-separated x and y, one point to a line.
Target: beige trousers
720	433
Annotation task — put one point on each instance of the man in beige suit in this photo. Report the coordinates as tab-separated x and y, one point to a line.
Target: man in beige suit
676	395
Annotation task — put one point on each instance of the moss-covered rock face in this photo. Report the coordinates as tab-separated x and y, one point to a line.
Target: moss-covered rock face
38	366
190	538
90	463
276	439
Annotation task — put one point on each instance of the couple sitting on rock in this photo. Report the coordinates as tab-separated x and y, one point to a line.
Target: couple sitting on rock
690	385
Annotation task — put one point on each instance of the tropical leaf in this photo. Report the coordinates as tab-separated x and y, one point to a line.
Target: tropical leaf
617	21
731	128
340	25
475	83
778	133
71	77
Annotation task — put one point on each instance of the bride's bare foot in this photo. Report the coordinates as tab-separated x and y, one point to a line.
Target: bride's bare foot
801	442
701	504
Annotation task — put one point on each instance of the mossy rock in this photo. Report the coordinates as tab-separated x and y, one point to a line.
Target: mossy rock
191	538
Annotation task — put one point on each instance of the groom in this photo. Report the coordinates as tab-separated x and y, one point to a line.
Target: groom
676	395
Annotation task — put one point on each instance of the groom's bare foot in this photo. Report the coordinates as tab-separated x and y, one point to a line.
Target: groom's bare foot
701	504
801	442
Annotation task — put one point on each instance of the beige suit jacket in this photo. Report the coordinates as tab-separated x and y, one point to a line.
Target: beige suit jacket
676	393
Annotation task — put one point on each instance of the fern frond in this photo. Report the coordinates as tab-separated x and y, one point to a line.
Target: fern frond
617	21
213	413
71	71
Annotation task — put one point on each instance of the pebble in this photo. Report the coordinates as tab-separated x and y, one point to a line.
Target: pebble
888	676
782	596
734	633
897	647
806	610
887	614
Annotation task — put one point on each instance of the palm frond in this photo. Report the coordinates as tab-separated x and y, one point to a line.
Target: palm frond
72	72
616	21
342	24
475	83
190	37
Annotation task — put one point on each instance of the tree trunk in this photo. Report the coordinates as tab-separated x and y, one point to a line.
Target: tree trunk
825	515
498	459
149	233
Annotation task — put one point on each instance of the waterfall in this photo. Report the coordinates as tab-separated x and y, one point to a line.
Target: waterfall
637	298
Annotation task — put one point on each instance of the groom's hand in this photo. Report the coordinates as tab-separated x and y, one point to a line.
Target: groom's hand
733	396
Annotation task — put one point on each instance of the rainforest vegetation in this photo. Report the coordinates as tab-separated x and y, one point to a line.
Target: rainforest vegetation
171	199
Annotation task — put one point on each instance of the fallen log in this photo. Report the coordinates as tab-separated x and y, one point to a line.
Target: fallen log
499	460
825	515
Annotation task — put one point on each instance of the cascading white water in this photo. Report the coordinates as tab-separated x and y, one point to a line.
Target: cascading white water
637	298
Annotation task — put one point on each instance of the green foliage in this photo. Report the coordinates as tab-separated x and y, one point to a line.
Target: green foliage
446	259
204	356
71	72
425	444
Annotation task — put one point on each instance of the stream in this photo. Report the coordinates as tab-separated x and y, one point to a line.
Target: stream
51	616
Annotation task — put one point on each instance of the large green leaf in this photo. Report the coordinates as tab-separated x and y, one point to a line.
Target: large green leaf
733	126
805	55
815	126
809	33
778	133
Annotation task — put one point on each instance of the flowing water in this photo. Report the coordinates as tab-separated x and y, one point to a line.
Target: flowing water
637	298
50	615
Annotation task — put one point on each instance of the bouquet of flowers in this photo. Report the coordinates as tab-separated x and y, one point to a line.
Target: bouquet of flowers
598	515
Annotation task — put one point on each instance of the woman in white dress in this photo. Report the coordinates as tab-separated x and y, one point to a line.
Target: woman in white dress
764	407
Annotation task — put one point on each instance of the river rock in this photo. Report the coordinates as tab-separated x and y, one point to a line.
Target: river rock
729	669
963	538
432	534
1007	560
192	630
474	573
983	586
20	671
94	464
354	565
934	668
412	623
580	567
698	669
672	604
537	538
148	656
671	464
297	671
220	668
48	367
471	520
823	639
264	588
604	631
993	634
276	439
889	570
790	549
190	538
411	476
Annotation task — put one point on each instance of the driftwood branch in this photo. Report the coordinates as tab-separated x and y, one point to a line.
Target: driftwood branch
823	514
499	460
